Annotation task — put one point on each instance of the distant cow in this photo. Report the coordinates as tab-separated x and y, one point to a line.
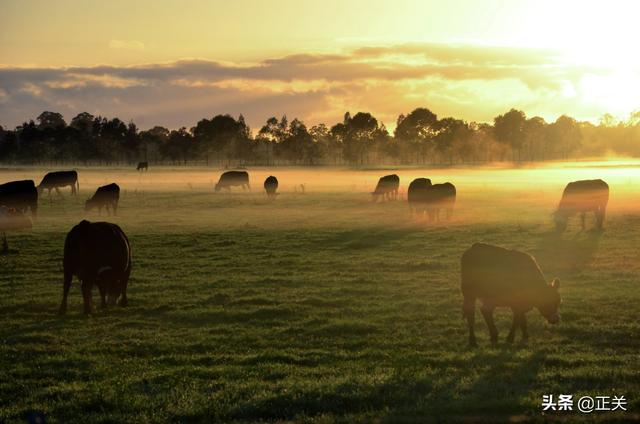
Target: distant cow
582	197
387	188
270	186
105	196
20	195
99	254
502	277
417	194
233	178
11	220
57	179
142	166
440	196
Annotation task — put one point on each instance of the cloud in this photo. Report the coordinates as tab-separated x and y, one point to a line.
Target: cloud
471	82
126	45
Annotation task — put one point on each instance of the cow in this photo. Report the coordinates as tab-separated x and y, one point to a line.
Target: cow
142	166
440	196
417	194
20	195
270	186
10	220
582	197
97	253
57	179
501	277
387	188
105	196
233	178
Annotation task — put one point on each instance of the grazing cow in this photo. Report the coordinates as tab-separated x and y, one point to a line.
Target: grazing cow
440	196
106	196
99	254
417	194
270	186
502	277
10	220
233	178
20	195
582	197
142	166
57	179
387	188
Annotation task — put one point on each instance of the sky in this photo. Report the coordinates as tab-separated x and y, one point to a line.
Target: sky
172	63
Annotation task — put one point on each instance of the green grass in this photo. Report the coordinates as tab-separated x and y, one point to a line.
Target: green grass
319	308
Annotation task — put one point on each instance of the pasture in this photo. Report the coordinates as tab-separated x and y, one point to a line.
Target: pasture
319	307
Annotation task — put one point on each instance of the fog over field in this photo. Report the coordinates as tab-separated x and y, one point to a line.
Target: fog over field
319	306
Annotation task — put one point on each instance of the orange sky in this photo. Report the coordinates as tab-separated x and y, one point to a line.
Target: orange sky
173	62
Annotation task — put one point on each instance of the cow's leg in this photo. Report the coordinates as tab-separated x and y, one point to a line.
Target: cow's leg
87	285
103	296
5	245
115	208
65	292
602	210
123	298
487	313
582	218
469	312
58	192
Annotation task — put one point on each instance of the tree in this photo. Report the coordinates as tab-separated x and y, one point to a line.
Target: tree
50	120
417	131
509	129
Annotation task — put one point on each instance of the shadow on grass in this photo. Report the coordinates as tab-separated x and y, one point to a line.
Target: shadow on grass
505	379
568	252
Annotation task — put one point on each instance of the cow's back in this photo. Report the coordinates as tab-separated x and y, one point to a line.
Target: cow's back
584	194
489	271
90	246
234	177
59	178
417	190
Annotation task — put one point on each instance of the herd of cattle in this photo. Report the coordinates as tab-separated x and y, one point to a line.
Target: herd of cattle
99	254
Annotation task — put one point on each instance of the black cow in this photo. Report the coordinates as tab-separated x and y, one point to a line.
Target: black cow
142	166
233	178
440	196
582	197
502	277
20	195
417	194
387	187
270	186
57	179
105	196
99	254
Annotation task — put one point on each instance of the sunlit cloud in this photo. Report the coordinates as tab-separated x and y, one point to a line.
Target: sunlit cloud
470	82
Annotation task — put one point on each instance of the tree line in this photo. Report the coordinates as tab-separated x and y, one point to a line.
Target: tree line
420	138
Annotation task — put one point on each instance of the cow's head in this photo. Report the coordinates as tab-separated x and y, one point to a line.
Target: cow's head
551	302
217	187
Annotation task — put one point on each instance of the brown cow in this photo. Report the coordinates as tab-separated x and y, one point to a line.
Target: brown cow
582	197
502	277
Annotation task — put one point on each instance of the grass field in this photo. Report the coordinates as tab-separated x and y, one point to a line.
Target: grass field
319	307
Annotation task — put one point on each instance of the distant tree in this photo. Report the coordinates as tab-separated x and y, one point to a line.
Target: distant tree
565	134
417	130
50	120
509	129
